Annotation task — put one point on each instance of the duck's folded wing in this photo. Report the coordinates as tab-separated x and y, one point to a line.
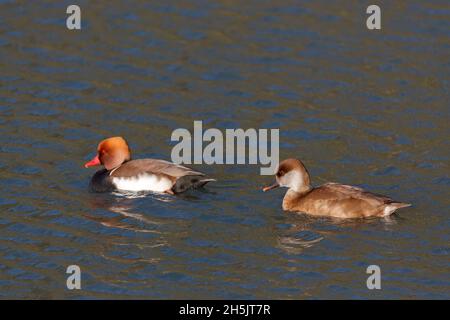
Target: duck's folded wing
153	166
343	191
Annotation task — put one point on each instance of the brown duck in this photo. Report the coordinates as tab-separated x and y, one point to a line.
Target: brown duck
331	199
122	173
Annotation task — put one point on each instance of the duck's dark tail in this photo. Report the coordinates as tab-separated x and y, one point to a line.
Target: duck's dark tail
190	182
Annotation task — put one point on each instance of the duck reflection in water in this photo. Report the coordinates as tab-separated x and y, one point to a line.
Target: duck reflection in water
305	231
122	204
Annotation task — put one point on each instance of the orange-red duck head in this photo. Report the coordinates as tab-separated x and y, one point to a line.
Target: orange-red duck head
111	153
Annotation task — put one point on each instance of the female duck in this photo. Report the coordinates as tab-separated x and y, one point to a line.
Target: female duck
330	199
122	173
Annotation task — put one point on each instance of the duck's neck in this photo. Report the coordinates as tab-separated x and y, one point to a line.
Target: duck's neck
293	194
114	169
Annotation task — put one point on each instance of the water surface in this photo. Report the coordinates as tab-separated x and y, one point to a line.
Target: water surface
369	108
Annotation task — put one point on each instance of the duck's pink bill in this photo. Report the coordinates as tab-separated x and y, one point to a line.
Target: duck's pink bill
275	185
93	162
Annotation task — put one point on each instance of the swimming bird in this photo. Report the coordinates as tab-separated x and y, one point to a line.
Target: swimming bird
330	199
122	173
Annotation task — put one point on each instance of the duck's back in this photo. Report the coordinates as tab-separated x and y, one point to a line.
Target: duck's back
154	166
344	201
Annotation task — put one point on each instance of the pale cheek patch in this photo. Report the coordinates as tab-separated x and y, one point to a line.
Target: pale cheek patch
144	182
291	179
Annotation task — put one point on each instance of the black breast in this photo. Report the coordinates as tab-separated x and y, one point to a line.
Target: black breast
101	182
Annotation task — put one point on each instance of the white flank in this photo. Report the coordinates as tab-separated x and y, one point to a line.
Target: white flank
388	210
143	182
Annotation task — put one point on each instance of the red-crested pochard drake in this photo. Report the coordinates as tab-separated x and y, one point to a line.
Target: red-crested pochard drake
330	199
122	173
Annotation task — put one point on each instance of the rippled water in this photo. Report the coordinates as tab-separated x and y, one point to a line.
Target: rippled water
369	108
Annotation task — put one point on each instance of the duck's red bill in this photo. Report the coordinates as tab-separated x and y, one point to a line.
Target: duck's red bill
93	162
275	185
